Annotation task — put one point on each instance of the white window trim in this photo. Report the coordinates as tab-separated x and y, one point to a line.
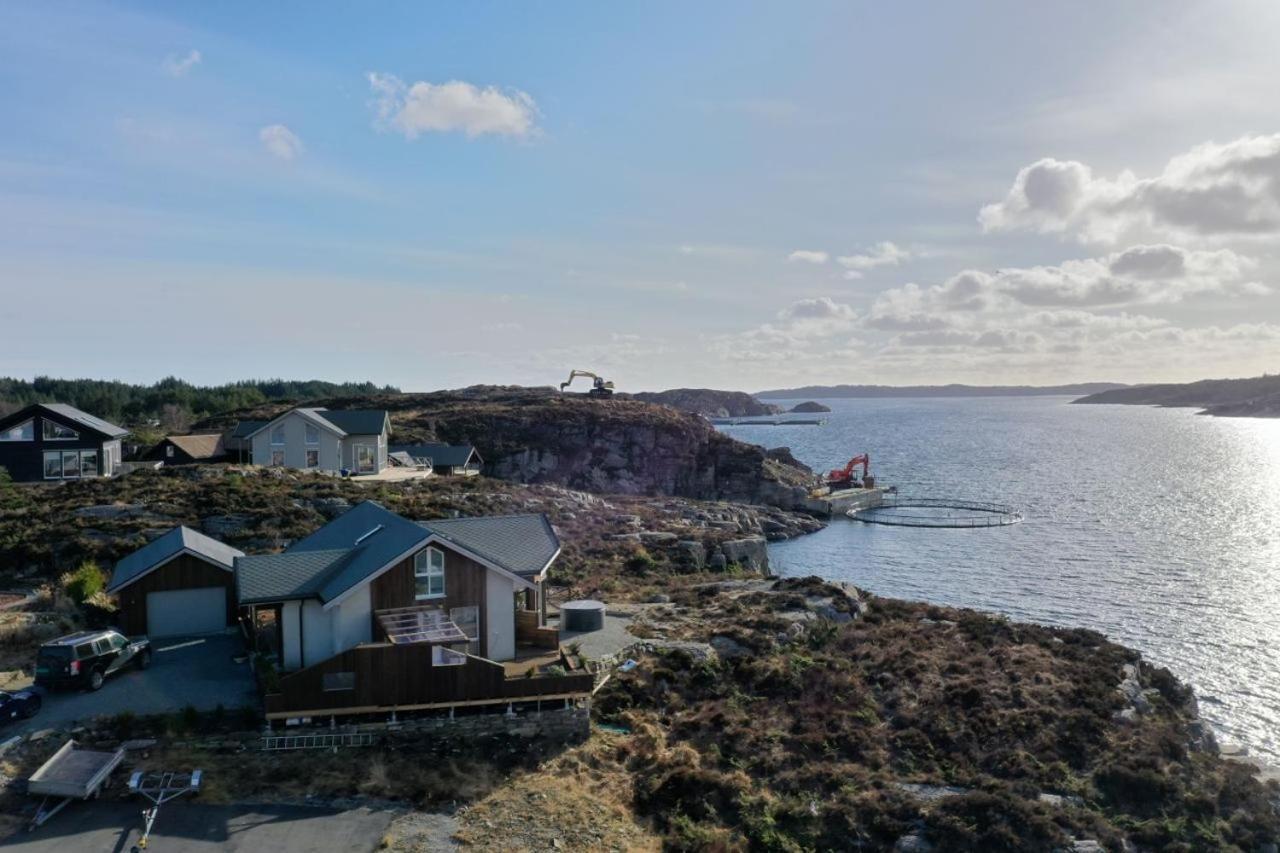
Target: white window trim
308	452
44	422
62	464
429	573
355	458
45	464
29	422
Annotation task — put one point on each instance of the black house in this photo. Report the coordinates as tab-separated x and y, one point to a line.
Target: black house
54	441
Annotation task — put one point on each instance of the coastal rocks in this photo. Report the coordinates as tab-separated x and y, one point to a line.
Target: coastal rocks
809	407
109	511
654	537
226	526
694	553
729	648
751	553
914	844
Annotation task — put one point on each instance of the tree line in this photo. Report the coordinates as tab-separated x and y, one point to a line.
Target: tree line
171	399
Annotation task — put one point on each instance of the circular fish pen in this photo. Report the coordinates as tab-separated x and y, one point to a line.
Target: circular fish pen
937	512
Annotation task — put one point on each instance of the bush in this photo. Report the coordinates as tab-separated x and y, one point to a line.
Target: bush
84	583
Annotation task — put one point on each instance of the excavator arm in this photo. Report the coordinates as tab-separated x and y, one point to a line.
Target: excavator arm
600	386
845	474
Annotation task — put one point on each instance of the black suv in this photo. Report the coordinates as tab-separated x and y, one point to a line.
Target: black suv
86	658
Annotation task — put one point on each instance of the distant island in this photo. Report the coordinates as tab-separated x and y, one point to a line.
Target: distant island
710	402
1256	397
834	391
809	407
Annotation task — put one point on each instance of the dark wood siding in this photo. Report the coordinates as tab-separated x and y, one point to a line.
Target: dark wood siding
401	676
464	582
183	572
24	460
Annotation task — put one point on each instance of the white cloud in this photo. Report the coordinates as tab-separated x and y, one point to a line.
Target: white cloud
176	66
453	106
1213	190
881	254
808	256
280	141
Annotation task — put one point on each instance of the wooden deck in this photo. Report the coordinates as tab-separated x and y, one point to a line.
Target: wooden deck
381	677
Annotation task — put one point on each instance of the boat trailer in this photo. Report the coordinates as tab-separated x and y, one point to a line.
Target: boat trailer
160	788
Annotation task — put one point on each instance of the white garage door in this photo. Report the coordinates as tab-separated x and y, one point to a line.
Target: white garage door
181	612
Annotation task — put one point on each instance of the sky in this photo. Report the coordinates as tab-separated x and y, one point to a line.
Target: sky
722	194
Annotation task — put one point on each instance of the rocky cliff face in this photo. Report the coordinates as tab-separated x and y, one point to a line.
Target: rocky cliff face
614	446
712	403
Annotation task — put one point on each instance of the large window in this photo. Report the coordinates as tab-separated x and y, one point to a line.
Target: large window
428	573
70	464
445	656
366	460
313	458
54	431
468	621
313	434
277	434
25	431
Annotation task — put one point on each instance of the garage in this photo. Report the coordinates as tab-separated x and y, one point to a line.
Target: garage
181	583
181	612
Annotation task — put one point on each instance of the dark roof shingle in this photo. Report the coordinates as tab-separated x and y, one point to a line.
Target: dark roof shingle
175	542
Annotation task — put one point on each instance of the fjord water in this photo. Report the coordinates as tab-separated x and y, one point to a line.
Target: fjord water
1158	527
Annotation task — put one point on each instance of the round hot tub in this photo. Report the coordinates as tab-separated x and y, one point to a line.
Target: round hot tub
584	615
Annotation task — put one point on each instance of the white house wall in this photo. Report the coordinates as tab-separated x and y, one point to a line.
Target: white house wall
352	621
317	635
292	652
500	615
295	445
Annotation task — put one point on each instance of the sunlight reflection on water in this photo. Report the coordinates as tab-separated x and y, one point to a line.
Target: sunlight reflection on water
1157	527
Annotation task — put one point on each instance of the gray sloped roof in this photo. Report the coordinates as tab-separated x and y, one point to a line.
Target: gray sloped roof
85	419
355	421
176	541
280	577
244	428
453	455
368	537
522	544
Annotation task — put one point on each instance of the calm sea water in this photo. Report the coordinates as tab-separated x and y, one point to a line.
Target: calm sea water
1158	527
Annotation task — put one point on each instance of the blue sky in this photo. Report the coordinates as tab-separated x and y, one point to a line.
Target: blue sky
726	194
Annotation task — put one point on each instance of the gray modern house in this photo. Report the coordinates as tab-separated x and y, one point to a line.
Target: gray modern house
352	440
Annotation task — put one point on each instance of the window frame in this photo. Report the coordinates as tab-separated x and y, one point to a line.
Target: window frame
278	429
29	423
429	573
445	656
96	468
45	423
308	453
308	431
274	463
45	459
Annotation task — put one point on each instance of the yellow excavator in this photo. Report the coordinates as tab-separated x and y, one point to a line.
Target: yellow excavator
600	386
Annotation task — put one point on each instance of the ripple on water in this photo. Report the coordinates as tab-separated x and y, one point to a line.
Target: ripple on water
1155	526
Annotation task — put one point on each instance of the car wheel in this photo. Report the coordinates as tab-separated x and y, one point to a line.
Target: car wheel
32	708
144	659
95	680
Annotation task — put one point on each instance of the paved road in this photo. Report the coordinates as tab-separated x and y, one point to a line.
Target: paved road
198	672
186	827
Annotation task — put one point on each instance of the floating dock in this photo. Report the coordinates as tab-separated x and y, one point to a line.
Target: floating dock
844	501
765	422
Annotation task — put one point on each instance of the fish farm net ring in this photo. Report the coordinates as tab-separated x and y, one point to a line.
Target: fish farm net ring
937	512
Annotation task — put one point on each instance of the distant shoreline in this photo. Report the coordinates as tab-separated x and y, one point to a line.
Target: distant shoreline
834	392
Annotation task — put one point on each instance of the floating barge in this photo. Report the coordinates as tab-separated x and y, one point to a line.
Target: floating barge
845	501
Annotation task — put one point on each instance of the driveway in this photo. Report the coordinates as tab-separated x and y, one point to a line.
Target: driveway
197	671
190	827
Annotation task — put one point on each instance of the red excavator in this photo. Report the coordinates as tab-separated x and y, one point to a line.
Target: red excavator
842	478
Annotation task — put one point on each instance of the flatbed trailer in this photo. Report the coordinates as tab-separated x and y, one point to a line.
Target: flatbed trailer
71	773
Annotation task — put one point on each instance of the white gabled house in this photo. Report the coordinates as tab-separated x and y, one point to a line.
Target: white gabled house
352	440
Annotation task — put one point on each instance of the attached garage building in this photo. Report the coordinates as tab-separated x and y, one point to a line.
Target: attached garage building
181	584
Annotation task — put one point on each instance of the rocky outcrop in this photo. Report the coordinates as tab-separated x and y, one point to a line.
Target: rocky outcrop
809	407
710	403
612	446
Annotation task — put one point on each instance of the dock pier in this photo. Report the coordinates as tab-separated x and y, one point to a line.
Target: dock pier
840	502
